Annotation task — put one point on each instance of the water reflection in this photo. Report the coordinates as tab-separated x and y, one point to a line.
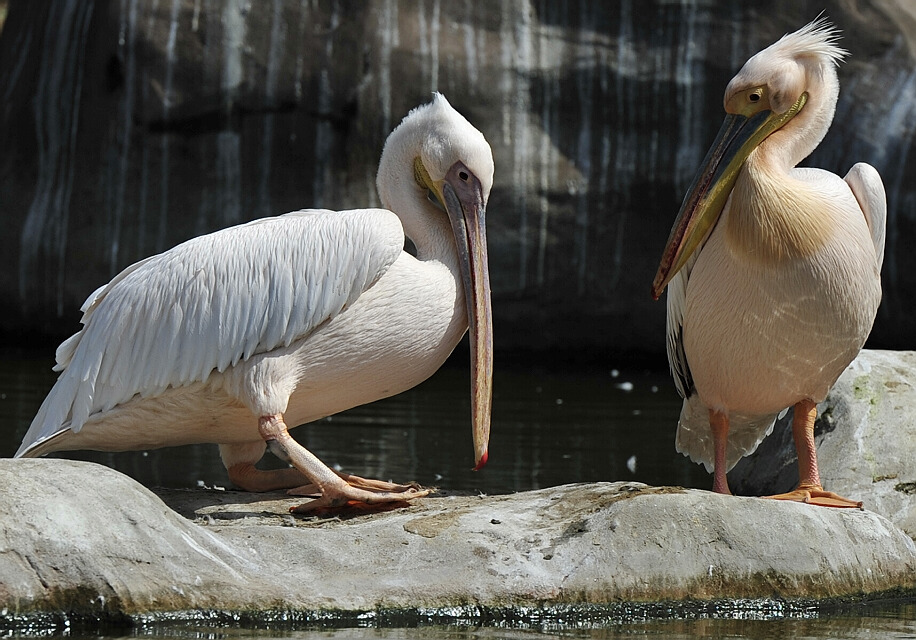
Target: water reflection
549	428
888	622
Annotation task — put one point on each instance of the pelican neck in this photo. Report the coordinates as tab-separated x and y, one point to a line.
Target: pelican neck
772	216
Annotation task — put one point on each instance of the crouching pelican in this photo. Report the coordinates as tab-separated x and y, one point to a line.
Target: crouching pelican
773	271
230	337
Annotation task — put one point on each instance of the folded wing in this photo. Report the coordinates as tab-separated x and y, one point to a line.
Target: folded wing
211	302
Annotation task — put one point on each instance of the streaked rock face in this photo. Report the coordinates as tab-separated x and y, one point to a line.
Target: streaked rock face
128	127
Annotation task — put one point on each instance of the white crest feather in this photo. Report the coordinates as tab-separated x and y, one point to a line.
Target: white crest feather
817	38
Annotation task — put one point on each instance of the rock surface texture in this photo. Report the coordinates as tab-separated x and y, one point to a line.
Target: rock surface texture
88	541
866	440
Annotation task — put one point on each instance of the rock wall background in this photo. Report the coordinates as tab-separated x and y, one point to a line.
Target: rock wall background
128	126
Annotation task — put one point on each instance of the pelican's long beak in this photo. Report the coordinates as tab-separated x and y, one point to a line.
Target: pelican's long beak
740	134
464	202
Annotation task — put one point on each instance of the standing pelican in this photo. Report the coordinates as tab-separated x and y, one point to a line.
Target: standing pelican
229	337
773	271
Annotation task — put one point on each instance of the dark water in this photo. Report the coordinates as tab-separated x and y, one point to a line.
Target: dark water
550	427
882	622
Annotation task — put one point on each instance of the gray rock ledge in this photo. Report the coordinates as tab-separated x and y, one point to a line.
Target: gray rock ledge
78	539
866	441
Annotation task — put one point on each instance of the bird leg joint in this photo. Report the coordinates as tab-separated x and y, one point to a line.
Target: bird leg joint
271	427
274	431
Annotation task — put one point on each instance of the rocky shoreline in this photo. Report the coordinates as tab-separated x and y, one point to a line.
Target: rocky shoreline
83	544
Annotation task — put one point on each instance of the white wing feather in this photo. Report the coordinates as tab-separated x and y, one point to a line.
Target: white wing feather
211	302
866	185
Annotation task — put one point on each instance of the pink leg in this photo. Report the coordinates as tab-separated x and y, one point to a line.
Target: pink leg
353	481
247	477
335	490
240	460
718	423
809	486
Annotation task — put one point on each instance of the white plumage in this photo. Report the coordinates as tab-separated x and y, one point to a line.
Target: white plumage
211	303
298	316
773	271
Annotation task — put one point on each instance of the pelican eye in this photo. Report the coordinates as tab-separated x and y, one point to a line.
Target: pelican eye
754	97
463	175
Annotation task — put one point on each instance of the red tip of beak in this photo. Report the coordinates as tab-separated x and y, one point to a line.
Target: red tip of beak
483	461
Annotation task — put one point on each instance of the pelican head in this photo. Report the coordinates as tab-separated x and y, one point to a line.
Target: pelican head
780	103
436	161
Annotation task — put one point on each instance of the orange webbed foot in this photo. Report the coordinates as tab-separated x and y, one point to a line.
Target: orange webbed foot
351	498
366	484
816	495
